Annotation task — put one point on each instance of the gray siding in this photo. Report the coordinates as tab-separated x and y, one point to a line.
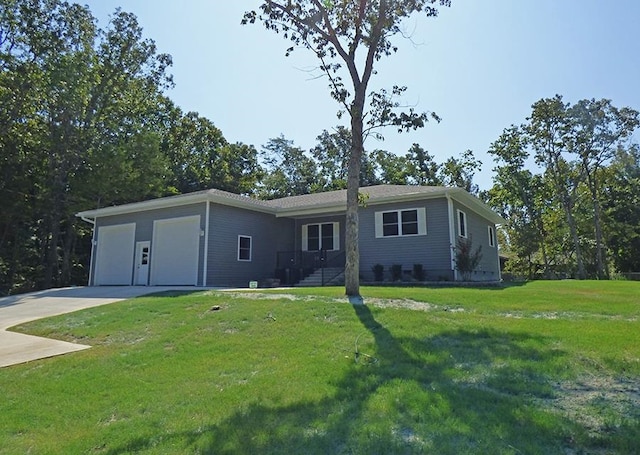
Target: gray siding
144	226
268	233
478	232
432	250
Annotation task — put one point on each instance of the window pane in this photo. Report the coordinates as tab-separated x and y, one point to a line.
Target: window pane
389	229
390	224
313	237
410	222
313	244
390	217
313	231
461	224
409	215
244	248
327	236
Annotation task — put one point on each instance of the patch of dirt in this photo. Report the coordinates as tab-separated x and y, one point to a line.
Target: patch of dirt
377	302
599	403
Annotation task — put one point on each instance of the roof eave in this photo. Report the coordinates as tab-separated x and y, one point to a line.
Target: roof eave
475	204
163	203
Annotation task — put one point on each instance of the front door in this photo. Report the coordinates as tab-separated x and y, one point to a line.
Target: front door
142	263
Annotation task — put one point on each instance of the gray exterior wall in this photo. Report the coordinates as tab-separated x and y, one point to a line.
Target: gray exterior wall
271	235
268	236
432	250
478	232
144	227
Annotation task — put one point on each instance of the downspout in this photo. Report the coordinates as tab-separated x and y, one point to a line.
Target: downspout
93	246
206	246
452	235
495	233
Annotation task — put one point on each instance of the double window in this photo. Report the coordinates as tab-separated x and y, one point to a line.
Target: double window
320	236
244	248
399	223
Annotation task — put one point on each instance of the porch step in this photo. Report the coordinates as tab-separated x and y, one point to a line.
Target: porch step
333	276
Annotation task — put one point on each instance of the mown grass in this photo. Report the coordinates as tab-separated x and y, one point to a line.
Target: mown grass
546	367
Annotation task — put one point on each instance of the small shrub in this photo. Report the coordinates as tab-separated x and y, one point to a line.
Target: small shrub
396	272
467	260
378	272
418	272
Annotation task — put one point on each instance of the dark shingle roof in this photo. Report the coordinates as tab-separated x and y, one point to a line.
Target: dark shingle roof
308	204
376	193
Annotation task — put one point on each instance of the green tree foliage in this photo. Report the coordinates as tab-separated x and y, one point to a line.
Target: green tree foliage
84	123
290	171
621	207
201	158
557	227
332	157
349	38
459	172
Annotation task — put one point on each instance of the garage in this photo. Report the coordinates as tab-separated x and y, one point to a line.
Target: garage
175	251
114	255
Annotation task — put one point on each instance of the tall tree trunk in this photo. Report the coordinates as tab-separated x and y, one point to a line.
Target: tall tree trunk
567	204
597	224
352	268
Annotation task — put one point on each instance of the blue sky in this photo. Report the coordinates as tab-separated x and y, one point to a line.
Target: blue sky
480	66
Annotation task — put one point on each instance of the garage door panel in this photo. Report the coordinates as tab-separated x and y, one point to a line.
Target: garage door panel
114	255
175	251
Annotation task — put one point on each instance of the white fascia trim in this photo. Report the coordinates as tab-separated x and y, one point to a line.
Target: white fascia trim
475	205
174	201
316	210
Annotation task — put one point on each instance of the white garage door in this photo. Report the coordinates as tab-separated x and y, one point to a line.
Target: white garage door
175	250
114	254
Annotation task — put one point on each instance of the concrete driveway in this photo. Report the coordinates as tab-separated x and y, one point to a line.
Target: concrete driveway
18	348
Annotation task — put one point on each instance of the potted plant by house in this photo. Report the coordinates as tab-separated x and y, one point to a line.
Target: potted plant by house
378	272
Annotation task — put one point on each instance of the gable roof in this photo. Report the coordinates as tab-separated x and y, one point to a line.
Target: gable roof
305	205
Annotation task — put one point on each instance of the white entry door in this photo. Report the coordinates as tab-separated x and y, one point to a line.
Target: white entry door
143	250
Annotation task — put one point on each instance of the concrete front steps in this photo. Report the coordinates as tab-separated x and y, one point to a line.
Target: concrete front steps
334	276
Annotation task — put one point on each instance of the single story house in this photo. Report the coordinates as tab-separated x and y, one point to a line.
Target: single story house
216	238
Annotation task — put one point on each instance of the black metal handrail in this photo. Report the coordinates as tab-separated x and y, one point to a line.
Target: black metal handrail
338	261
294	266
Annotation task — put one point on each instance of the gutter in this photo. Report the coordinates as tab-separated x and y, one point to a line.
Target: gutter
452	234
93	246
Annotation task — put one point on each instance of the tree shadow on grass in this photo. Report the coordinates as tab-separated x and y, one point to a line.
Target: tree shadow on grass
455	392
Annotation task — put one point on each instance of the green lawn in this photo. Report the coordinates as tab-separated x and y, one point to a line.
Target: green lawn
541	368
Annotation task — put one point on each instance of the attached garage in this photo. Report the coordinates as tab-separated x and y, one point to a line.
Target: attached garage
114	255
175	251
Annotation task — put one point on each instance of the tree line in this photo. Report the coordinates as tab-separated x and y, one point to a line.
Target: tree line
85	123
567	182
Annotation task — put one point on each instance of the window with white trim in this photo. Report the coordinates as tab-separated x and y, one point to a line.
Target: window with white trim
462	224
492	237
400	223
321	236
244	248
